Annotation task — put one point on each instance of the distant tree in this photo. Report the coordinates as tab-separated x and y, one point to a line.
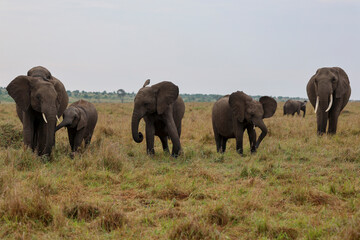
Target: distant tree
121	93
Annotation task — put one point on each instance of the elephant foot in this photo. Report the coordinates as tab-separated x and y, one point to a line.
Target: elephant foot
72	155
45	158
253	150
240	151
174	155
150	152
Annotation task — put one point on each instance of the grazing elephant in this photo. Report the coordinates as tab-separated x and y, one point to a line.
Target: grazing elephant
80	119
162	109
329	92
231	115
40	98
293	106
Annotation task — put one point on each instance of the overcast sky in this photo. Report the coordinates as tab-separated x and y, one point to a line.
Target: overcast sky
263	47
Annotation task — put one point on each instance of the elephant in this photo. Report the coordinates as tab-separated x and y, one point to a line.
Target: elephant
234	113
162	109
293	106
40	98
80	119
329	92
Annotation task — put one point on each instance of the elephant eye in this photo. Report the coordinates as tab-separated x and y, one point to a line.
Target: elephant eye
333	79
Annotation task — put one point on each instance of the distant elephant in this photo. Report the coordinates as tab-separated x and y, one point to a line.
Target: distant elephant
162	109
329	92
293	106
231	115
80	119
40	98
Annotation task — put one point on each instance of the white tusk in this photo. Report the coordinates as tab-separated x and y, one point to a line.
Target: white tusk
317	103
330	104
57	118
44	117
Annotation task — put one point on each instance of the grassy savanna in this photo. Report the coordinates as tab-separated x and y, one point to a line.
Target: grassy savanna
297	186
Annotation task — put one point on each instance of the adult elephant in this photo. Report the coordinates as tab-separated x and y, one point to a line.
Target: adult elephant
162	109
231	115
329	92
293	106
40	98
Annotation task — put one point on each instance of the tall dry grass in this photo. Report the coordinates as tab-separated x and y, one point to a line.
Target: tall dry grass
297	186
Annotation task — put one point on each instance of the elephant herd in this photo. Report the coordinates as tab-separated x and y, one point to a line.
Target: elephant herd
41	98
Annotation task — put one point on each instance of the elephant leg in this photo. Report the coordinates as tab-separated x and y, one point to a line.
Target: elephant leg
150	133
223	142
79	136
252	137
164	143
217	141
239	134
29	130
173	134
87	140
71	135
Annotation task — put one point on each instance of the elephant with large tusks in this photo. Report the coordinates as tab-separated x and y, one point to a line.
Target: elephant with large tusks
232	115
162	109
329	92
293	106
40	98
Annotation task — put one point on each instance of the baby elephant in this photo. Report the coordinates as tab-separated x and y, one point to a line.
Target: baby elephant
231	115
80	119
293	106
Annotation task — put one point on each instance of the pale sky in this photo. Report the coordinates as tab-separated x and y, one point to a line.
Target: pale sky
262	47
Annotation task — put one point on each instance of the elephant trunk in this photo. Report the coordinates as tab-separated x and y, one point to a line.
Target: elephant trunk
50	134
264	131
66	122
322	116
137	136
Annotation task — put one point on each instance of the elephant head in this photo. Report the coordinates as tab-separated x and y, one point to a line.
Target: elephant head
40	99
156	100
244	108
40	72
328	83
73	117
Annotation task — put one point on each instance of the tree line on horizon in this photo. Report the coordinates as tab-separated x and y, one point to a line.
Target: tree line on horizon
122	96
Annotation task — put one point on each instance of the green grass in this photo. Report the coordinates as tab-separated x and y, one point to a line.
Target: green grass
297	186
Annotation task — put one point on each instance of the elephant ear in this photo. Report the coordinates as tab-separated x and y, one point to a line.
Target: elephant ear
269	106
237	102
62	99
82	120
166	93
19	90
343	82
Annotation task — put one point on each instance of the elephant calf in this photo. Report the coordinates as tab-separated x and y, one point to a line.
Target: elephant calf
293	106
231	115
80	119
162	109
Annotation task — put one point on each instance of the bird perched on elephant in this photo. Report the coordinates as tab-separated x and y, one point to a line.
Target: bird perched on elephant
80	118
40	98
162	109
235	113
293	106
329	92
